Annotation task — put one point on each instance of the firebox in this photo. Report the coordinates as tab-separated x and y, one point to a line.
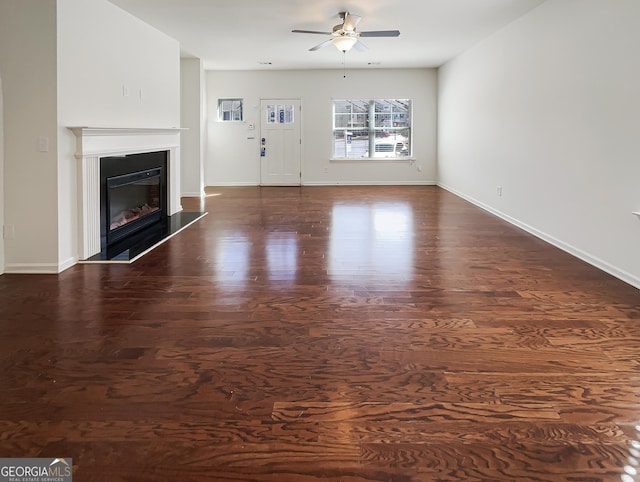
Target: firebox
133	202
133	195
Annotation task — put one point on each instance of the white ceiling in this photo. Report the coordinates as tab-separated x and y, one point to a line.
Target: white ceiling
240	34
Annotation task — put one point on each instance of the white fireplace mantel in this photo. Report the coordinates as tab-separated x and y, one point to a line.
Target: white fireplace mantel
92	143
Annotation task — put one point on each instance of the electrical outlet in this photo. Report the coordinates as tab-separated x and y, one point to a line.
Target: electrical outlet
125	90
499	190
8	231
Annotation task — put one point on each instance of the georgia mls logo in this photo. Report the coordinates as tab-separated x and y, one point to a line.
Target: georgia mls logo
36	470
60	461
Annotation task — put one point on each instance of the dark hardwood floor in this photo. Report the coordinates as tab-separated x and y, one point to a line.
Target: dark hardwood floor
327	334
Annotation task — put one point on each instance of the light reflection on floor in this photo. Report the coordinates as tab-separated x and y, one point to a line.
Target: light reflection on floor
232	259
371	239
282	256
631	469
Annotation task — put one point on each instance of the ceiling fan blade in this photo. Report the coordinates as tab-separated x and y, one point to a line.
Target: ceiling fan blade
350	21
311	31
360	47
380	33
319	46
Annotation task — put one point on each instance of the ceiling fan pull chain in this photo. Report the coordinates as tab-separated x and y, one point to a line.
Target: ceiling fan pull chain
344	64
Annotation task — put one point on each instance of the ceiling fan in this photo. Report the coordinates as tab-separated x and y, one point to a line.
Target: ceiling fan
345	36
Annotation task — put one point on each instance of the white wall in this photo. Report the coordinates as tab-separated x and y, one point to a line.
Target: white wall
233	159
113	71
1	180
103	48
192	140
548	108
28	71
64	63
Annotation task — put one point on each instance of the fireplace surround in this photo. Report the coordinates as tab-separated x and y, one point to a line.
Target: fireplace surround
96	143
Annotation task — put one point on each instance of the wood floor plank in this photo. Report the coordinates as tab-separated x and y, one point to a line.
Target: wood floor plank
515	461
558	388
327	334
375	411
487	433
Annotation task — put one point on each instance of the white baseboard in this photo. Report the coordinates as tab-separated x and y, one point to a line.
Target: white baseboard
232	184
192	194
578	253
336	183
369	183
38	268
67	264
31	268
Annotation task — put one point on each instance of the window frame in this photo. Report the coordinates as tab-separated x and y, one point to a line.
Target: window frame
222	110
397	121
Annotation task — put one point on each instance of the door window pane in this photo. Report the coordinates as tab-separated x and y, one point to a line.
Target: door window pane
280	114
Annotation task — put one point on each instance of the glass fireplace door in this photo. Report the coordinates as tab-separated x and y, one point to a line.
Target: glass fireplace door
132	201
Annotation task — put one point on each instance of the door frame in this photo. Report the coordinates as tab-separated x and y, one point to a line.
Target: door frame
280	100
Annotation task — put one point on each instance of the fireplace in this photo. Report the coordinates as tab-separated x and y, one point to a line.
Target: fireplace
143	169
133	194
94	145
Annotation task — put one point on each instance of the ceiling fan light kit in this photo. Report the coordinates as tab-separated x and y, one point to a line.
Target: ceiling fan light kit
344	42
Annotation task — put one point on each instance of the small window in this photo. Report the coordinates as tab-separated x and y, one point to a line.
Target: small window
230	110
372	129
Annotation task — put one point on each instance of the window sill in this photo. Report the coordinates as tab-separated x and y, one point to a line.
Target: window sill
373	159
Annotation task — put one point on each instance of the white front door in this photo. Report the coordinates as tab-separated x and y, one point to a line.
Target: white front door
280	142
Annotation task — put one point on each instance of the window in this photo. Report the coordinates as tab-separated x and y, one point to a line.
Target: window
280	114
230	109
372	129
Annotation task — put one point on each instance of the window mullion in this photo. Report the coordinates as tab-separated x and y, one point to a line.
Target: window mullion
372	127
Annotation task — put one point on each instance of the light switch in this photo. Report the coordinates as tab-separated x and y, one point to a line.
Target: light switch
43	144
